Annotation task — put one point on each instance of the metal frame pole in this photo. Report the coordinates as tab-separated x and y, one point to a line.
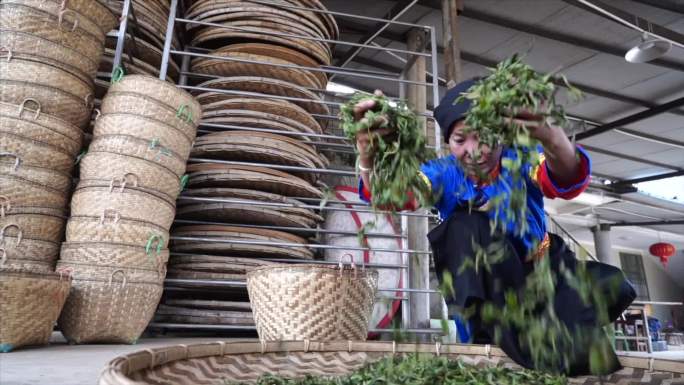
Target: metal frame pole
435	88
166	55
121	35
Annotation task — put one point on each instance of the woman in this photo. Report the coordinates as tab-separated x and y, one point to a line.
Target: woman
463	185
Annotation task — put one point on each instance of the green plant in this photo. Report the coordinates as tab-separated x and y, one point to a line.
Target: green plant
425	370
397	157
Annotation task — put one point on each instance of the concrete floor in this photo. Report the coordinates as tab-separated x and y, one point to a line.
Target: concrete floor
61	364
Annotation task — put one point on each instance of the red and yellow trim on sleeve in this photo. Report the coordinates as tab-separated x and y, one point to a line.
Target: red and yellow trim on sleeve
544	179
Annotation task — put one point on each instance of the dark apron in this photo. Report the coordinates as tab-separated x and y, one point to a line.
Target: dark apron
452	243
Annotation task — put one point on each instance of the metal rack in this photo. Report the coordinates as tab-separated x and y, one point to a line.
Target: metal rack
324	142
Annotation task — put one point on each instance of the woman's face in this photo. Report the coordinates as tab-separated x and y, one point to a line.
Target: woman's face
476	159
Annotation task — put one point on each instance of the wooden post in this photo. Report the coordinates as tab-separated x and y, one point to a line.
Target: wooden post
419	266
450	36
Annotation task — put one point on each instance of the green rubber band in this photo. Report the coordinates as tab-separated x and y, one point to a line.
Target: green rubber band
154	143
152	238
184	181
117	74
80	156
184	113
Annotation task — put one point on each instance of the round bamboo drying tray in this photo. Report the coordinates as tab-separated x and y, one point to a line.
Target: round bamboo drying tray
254	178
147	52
245	362
177	314
311	102
258	65
247	213
279	108
256	119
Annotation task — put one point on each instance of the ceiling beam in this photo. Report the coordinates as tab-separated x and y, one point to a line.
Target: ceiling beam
649	178
668	5
640	22
566	38
397	10
632	158
657	110
664	222
355	27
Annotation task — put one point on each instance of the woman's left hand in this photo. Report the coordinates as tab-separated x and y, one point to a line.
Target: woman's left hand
538	127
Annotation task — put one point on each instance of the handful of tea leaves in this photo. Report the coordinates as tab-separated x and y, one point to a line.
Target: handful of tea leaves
513	88
421	370
397	157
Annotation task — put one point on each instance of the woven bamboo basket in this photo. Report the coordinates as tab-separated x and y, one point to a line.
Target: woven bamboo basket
30	304
228	362
29	111
110	228
55	100
29	130
27	254
36	153
36	223
312	301
149	150
84	270
12	165
107	306
115	254
162	91
106	166
92	16
144	128
63	30
91	199
25	43
145	106
17	192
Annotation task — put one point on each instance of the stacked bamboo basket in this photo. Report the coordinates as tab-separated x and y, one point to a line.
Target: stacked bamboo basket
122	209
49	54
261	108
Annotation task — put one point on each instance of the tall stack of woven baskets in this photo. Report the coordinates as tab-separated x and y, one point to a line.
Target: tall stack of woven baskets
49	54
258	109
122	209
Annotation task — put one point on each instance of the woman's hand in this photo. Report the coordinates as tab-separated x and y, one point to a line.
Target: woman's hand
559	152
363	138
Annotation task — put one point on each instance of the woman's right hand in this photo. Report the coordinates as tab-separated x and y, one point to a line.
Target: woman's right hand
363	138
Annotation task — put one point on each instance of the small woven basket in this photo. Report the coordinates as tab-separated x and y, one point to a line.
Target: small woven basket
296	302
30	304
108	306
110	228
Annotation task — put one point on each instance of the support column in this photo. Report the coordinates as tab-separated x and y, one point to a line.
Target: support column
419	266
450	37
604	246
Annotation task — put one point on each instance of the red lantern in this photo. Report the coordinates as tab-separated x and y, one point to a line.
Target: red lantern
663	251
